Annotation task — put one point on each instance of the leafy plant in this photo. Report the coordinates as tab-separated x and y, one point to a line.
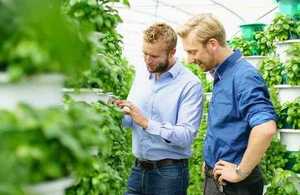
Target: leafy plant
46	144
274	99
205	82
196	161
108	174
289	116
295	156
292	67
281	183
264	46
282	28
271	70
248	48
31	45
109	70
274	158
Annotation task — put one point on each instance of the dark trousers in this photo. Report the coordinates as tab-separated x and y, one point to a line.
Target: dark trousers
252	185
165	180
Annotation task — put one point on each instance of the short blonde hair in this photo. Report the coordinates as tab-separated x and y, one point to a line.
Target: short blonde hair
206	27
161	32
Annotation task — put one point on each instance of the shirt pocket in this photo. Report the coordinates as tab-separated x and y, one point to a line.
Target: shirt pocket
222	105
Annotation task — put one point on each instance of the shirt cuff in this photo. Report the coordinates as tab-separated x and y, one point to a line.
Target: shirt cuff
153	127
260	118
127	121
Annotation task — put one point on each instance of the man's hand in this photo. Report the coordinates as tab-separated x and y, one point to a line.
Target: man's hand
226	171
133	111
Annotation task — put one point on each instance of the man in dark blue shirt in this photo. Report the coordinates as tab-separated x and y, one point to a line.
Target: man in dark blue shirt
241	118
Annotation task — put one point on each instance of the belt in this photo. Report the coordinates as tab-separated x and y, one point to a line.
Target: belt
209	173
150	165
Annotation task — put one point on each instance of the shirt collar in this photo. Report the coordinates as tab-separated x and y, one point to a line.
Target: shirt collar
172	72
229	62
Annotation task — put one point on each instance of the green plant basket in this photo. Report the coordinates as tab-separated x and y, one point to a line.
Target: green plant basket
249	30
290	7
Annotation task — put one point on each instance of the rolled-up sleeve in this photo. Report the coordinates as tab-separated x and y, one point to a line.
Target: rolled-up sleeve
253	99
189	117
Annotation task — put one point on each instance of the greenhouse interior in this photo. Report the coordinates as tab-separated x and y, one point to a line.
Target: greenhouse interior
149	97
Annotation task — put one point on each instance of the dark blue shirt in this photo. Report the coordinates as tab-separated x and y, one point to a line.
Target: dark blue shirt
240	101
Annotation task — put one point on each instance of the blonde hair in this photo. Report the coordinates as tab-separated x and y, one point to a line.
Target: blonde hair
161	32
206	27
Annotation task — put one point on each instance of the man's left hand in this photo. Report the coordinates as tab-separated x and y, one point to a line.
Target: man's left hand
226	171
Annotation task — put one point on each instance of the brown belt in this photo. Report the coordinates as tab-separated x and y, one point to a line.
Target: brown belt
208	171
150	165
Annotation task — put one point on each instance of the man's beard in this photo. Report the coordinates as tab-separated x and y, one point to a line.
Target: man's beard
162	67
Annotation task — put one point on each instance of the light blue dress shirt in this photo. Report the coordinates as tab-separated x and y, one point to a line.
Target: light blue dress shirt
173	105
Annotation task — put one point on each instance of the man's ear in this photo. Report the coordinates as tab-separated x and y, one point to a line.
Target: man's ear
213	44
172	52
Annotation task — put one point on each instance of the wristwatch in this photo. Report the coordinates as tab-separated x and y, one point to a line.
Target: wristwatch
240	173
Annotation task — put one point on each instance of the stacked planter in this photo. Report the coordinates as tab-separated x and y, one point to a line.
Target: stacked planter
249	32
249	43
288	93
283	76
43	137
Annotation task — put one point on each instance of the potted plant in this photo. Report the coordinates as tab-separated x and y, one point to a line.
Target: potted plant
271	70
291	91
289	125
283	183
45	145
253	50
274	158
283	47
35	57
282	28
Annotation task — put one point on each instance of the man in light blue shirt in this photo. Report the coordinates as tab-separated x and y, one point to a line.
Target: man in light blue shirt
164	112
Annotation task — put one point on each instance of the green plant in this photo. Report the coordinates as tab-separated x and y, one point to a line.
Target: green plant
108	174
292	67
196	161
274	99
32	45
271	70
109	70
281	184
248	48
289	115
296	158
274	158
264	47
206	84
282	28
46	144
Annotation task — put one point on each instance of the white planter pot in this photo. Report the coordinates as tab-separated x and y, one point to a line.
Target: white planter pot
281	48
290	138
38	91
56	187
89	95
255	60
288	93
